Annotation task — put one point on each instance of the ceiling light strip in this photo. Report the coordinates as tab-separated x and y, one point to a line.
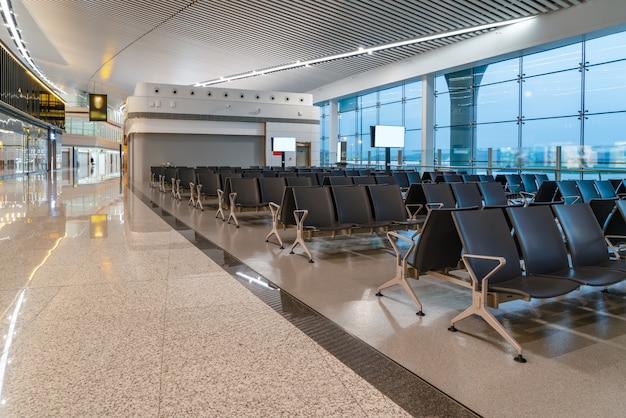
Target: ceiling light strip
361	51
8	16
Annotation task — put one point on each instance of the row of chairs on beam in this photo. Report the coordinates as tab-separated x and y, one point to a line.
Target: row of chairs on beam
205	184
445	240
493	195
317	211
520	253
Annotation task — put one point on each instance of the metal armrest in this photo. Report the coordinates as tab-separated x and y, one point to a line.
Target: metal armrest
412	209
431	206
574	199
611	246
484	282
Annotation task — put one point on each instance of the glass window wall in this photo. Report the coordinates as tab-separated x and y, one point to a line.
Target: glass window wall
571	98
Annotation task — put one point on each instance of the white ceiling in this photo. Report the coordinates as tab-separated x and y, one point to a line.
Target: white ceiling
107	46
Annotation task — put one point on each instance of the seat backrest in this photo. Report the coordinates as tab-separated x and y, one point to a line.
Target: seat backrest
438	245
452	178
186	175
514	183
439	193
226	183
602	210
319	203
387	203
415	195
587	189
385	179
402	179
470	178
352	204
486	232
210	182
247	189
299	181
539	239
546	192
486	178
414	177
360	180
272	188
338	181
585	239
467	195
530	182
568	192
171	173
493	193
605	189
616	224
429	176
312	176
540	178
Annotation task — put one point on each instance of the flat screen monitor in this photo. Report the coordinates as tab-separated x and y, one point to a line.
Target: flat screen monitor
384	136
98	107
283	144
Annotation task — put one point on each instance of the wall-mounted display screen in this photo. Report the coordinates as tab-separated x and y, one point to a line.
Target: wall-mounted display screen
387	136
283	144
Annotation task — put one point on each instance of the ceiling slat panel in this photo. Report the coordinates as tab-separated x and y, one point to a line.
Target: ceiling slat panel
192	40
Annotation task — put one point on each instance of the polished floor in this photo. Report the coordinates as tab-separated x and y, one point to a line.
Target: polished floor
159	309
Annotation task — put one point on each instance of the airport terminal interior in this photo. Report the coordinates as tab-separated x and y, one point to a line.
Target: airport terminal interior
121	297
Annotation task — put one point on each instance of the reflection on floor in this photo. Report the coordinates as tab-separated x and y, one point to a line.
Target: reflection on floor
127	315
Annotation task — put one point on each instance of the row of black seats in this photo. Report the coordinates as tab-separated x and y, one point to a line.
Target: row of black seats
556	259
344	210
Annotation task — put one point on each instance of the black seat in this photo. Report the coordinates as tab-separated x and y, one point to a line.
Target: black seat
272	189
244	194
493	194
530	183
541	177
299	181
452	178
436	252
387	205
353	207
338	181
615	226
492	259
585	240
568	192
314	211
362	180
402	179
544	251
438	196
471	178
467	195
546	193
385	179
415	196
312	176
602	210
587	189
514	183
605	189
414	177
185	181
